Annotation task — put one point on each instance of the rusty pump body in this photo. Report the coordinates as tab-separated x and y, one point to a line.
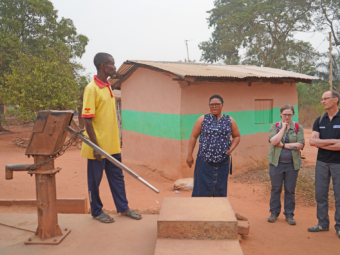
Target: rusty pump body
47	142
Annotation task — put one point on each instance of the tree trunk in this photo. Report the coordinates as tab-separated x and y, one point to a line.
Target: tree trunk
80	118
2	111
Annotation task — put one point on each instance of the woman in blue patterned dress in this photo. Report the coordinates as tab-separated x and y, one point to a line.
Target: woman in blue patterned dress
214	155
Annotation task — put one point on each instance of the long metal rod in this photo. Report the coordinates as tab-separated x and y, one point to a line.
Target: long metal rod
112	159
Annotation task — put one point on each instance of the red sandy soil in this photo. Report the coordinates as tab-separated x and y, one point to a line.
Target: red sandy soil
250	200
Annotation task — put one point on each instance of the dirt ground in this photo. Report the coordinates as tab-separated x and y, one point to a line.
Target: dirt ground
251	200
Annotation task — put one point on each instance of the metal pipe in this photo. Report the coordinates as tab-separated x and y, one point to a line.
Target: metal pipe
16	167
112	159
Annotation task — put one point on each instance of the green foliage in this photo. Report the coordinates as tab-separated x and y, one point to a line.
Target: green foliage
18	112
42	83
83	81
297	56
34	23
310	94
9	47
36	53
264	29
12	111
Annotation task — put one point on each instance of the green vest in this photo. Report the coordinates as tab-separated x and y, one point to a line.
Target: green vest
275	151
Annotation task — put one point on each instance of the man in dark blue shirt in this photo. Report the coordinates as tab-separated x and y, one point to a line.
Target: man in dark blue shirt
326	136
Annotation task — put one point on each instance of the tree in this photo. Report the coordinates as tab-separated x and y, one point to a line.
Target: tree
327	17
31	27
212	52
9	46
42	83
297	56
310	94
264	30
35	24
323	70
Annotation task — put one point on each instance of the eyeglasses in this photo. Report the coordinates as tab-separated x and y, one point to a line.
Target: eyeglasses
215	105
325	99
287	115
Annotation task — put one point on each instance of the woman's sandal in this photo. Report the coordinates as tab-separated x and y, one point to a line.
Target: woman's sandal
133	215
104	218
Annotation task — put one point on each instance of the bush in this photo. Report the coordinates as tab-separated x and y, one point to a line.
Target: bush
308	114
309	96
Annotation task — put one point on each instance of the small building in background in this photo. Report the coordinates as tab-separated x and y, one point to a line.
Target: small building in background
160	102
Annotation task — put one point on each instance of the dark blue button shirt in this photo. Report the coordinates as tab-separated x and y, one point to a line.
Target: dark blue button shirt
215	138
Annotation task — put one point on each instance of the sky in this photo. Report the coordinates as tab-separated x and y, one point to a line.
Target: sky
147	29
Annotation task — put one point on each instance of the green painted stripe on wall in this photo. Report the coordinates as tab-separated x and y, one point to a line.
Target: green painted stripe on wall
153	124
179	127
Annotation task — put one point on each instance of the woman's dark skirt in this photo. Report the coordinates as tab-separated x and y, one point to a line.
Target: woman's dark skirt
211	179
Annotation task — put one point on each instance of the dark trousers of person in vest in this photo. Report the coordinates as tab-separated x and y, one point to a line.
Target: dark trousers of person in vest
283	174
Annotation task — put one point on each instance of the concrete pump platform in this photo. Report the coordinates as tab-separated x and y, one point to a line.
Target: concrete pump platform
88	236
185	225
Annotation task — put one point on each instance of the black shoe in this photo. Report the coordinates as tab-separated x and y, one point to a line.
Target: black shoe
317	228
291	221
338	233
272	218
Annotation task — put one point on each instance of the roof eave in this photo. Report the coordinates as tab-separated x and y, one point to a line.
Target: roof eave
129	67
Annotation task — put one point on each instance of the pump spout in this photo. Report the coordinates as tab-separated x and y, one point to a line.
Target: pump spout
16	167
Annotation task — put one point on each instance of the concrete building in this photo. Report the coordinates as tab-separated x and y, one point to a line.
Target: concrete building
162	100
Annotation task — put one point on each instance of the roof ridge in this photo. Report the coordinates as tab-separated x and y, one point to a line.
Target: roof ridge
190	63
173	62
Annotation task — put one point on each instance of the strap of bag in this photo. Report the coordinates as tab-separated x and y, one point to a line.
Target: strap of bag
296	127
279	126
321	118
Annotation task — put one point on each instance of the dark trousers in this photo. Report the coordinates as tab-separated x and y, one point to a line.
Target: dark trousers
115	178
323	173
283	174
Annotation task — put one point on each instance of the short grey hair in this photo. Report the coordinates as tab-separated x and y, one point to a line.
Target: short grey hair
335	94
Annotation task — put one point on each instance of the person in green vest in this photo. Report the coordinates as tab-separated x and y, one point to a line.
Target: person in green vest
286	140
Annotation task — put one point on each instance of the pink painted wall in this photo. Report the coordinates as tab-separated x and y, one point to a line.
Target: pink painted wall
157	153
237	96
150	91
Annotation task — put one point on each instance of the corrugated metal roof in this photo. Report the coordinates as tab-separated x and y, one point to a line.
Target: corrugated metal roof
209	71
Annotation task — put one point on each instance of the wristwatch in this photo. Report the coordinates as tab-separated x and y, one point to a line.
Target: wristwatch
283	145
